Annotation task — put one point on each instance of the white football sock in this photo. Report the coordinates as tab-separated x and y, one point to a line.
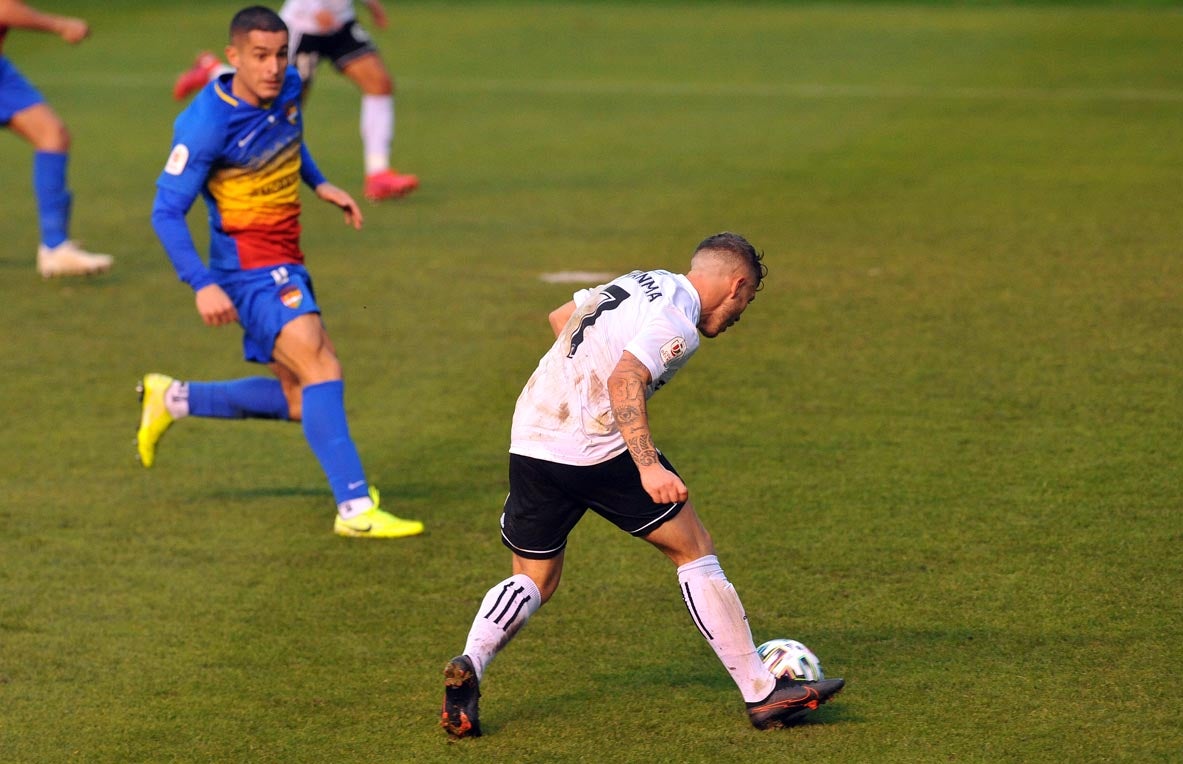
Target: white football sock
503	613
355	507
377	131
719	615
176	399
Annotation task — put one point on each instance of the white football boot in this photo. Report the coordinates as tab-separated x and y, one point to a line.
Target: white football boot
68	259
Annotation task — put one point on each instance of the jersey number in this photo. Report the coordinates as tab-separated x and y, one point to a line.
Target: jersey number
610	299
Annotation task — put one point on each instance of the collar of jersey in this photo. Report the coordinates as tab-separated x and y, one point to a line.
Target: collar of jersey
224	95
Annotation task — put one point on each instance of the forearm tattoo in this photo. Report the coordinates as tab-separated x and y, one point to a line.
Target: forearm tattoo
642	450
626	390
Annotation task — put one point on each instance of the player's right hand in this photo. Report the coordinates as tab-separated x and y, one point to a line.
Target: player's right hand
378	12
215	306
73	30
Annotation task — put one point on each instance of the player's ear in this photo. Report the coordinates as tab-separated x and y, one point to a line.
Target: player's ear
738	282
232	55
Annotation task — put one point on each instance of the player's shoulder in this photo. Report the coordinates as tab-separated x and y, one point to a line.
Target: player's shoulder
657	285
292	84
667	294
210	108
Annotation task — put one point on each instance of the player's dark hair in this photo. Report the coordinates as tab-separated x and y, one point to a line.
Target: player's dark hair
257	18
741	248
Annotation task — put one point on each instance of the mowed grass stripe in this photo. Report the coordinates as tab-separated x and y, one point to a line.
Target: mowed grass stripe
119	80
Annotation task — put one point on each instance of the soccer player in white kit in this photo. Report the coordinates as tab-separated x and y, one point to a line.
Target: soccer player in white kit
330	29
581	440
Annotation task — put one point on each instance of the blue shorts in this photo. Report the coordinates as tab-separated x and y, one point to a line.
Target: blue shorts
16	94
266	300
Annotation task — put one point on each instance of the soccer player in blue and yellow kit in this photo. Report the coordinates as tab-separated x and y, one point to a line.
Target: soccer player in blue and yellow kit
240	146
24	111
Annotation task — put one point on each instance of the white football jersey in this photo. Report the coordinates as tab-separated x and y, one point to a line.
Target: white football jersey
300	15
564	414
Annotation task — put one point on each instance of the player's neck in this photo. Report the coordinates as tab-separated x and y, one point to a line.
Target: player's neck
246	95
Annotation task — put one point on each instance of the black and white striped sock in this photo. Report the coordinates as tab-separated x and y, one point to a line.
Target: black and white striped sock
504	611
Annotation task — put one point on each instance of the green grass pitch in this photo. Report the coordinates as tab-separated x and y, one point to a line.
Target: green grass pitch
942	448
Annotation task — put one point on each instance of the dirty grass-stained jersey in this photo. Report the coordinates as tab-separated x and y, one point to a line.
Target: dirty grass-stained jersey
564	414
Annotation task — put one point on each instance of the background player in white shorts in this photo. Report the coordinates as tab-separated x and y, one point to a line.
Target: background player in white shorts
580	439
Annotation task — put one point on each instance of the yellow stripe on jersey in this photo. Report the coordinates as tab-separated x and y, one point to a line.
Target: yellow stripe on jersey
260	208
224	95
276	184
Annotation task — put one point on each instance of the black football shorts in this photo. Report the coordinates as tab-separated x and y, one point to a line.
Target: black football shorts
341	47
546	500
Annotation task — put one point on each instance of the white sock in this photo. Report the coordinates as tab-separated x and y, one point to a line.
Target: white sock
719	615
377	131
176	399
354	507
503	613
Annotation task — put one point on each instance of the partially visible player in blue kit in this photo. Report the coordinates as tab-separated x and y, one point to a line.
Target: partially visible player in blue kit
240	146
25	111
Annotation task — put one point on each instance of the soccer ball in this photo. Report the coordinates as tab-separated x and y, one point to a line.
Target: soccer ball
788	657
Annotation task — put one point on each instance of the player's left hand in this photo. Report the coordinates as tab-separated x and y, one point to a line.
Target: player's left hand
326	22
342	199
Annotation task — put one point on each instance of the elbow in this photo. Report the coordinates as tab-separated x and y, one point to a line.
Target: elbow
165	215
158	218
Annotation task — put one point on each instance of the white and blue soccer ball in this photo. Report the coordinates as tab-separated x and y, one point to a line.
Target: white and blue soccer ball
788	657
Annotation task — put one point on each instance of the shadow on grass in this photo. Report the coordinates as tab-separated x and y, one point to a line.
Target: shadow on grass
704	690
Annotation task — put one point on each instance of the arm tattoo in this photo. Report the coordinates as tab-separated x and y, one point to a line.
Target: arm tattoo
626	391
642	450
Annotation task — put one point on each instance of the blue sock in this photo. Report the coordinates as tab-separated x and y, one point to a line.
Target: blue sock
251	398
327	433
53	198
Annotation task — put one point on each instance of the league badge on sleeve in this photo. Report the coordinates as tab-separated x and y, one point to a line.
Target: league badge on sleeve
177	160
672	349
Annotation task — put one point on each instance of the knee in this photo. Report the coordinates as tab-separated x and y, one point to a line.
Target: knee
42	128
55	137
380	84
545	574
323	367
373	79
330	369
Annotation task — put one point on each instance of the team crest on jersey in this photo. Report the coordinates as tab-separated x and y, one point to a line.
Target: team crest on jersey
177	160
293	112
672	349
291	296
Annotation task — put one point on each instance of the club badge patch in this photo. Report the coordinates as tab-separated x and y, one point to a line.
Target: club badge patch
672	349
177	160
291	296
293	111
